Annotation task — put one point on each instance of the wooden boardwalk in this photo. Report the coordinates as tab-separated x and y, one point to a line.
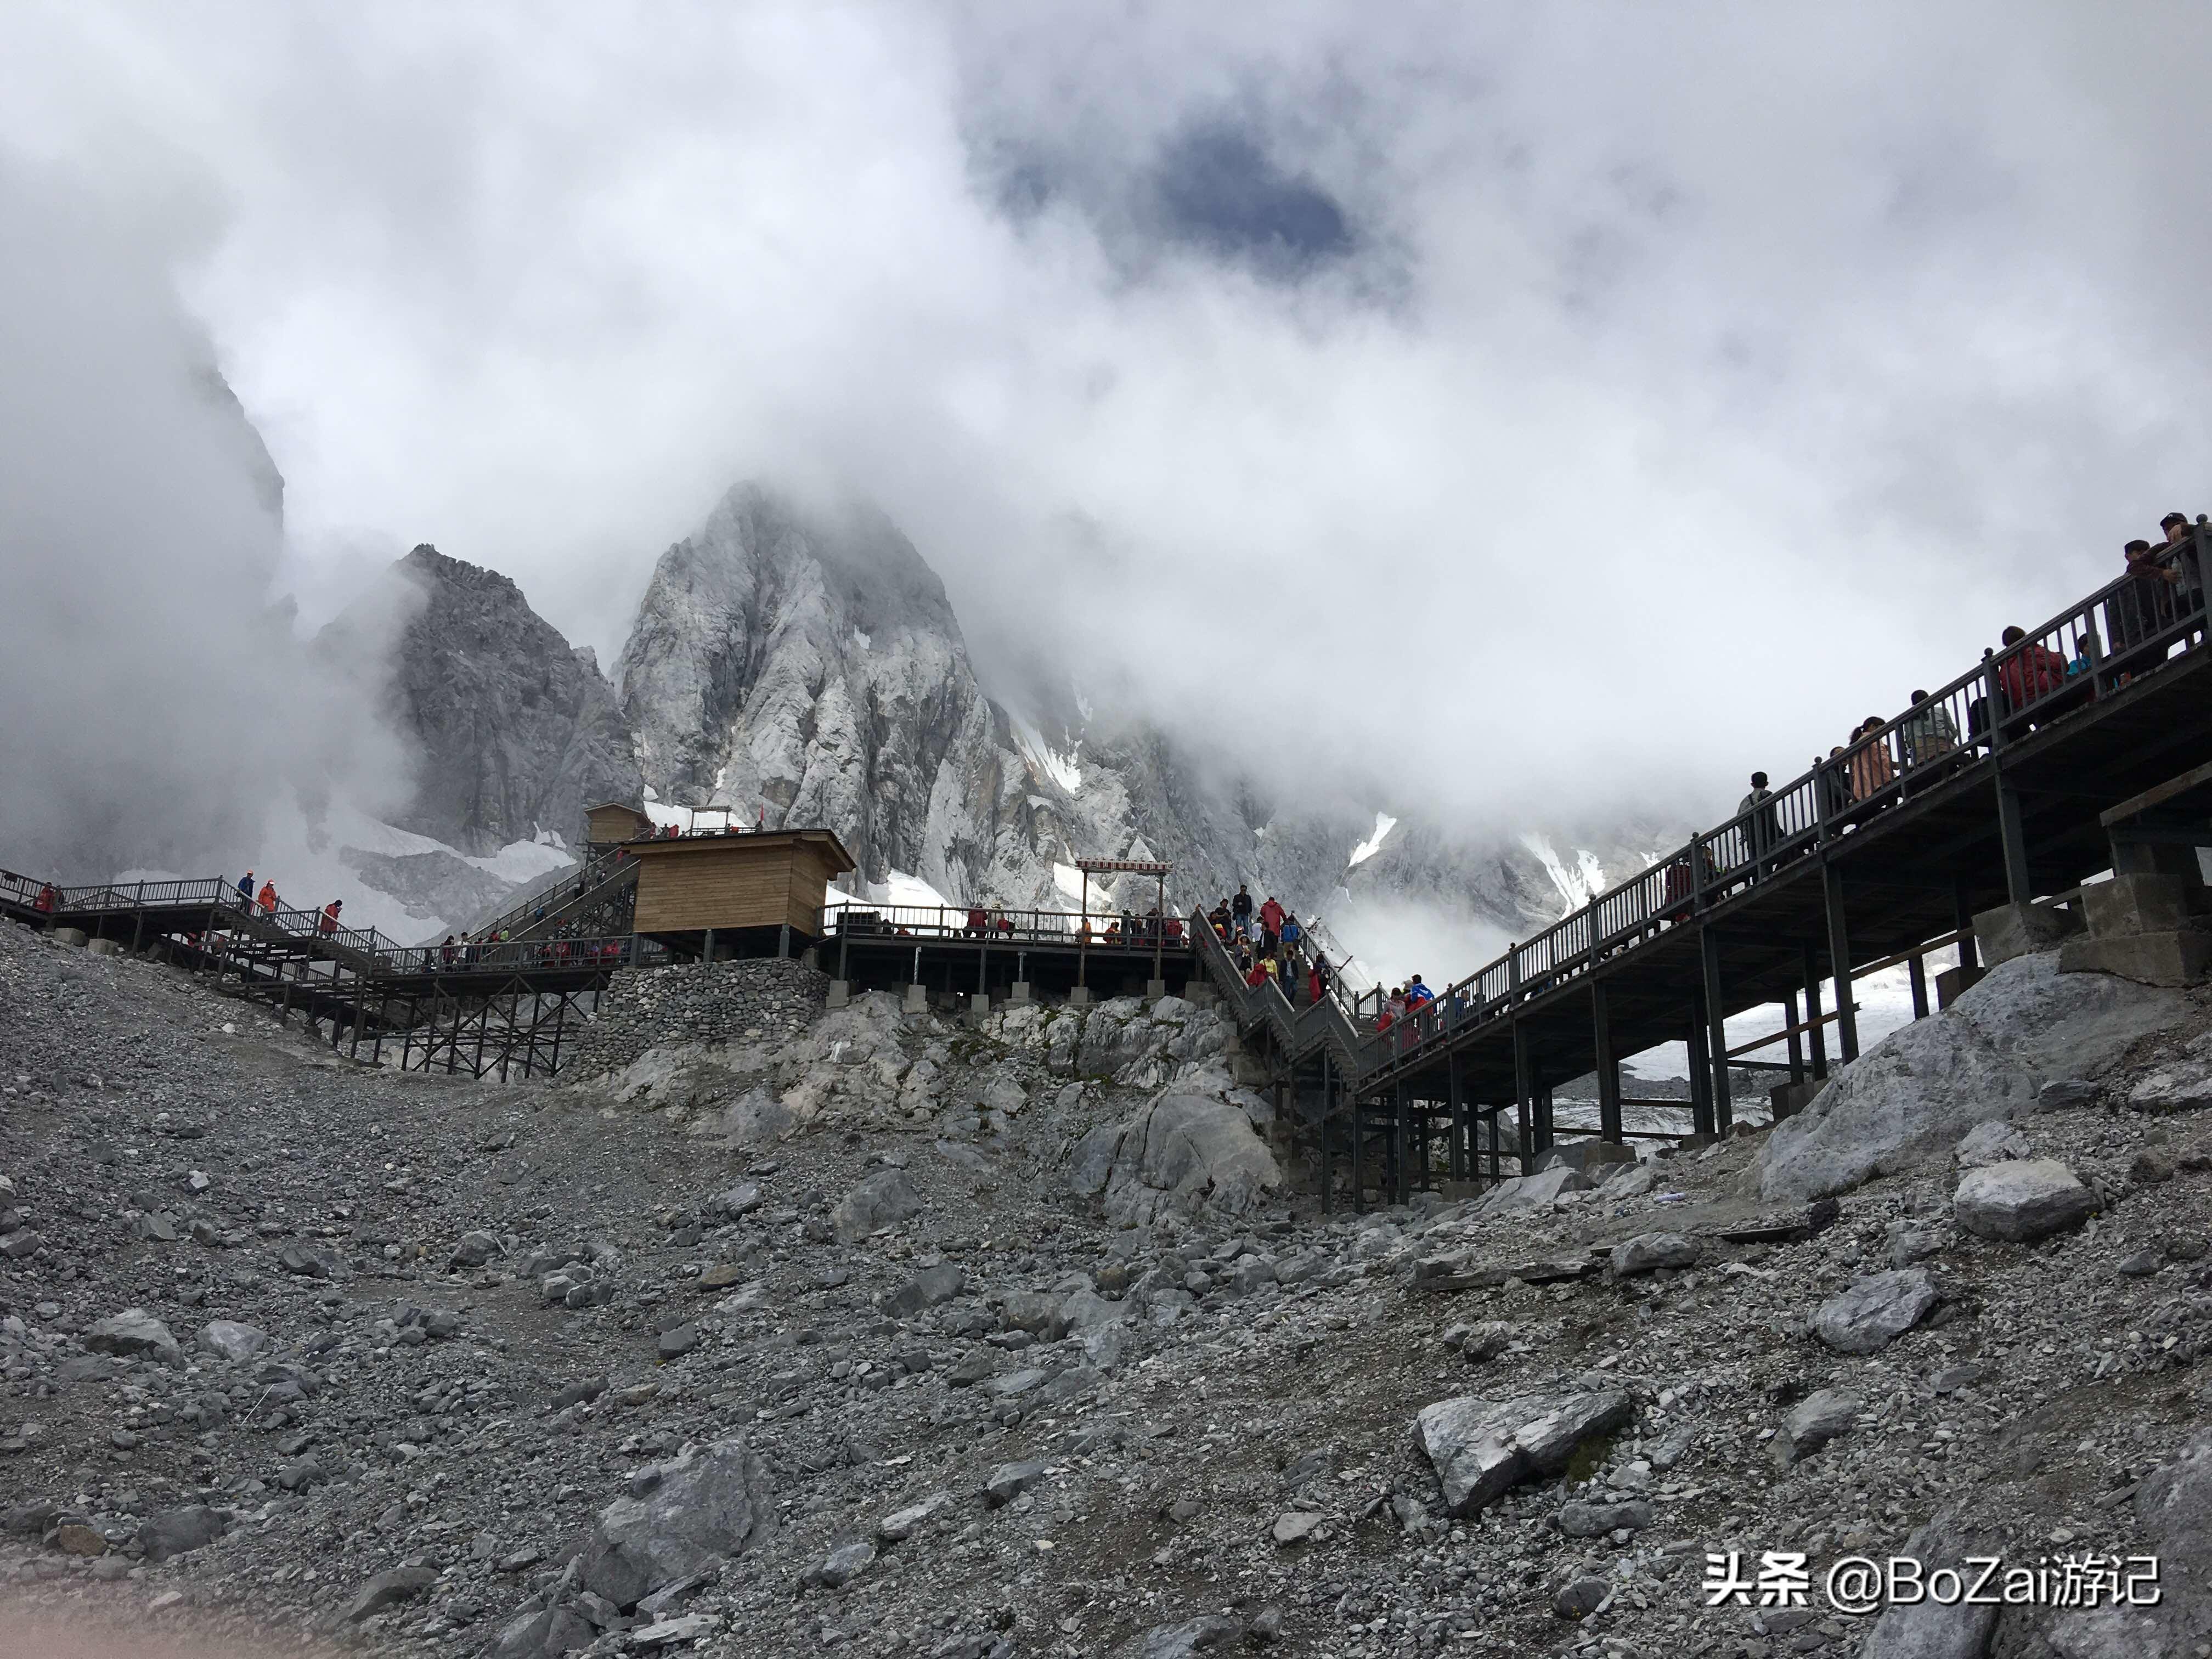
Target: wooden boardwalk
1993	790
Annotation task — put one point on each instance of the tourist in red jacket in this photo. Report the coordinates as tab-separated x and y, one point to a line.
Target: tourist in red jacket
2030	672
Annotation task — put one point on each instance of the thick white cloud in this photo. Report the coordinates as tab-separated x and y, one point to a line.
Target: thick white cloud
1691	381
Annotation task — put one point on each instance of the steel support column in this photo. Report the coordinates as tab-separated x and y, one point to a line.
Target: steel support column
1709	950
2012	838
1524	1099
1458	1101
1816	1032
1328	1172
1701	1067
1839	961
1796	1037
1358	1160
1608	1067
1917	972
1400	1177
1962	918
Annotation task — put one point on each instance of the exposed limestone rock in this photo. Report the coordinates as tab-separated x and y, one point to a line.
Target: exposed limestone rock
1482	1448
1987	1056
1184	1151
2022	1201
707	1505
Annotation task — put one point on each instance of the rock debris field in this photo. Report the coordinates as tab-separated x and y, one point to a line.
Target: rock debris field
779	1331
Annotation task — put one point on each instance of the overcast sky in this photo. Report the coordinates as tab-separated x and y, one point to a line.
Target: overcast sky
1559	404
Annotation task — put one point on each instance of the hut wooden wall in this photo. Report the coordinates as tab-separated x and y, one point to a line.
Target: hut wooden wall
608	824
741	881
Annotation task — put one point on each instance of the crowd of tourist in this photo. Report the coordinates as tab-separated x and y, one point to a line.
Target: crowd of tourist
2159	602
1270	946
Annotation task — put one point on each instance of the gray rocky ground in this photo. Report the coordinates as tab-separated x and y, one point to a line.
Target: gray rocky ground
779	1331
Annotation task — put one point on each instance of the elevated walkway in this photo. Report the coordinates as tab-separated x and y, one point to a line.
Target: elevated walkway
2079	748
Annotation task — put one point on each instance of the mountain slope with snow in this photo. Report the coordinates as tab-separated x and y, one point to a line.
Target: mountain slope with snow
802	663
511	730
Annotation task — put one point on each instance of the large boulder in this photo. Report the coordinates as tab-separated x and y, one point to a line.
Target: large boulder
931	1288
2026	1199
1927	1628
1648	1252
884	1199
1920	1089
1481	1448
755	1117
134	1332
2173	1520
1185	1151
710	1504
180	1531
1518	1195
1813	1422
235	1342
1875	1312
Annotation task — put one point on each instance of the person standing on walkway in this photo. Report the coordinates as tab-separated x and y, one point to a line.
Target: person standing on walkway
2180	550
329	925
245	891
267	898
1271	917
1872	770
1240	912
1929	731
2031	670
1763	827
2131	615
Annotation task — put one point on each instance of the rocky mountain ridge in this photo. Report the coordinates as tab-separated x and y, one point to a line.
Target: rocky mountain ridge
802	662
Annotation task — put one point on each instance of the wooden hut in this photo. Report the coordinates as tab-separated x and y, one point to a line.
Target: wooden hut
611	823
737	895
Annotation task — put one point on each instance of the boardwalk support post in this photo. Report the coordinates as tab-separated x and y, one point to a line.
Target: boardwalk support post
1701	1067
1796	1037
1458	1101
1839	963
1524	1100
1815	1030
1358	1160
1723	1106
1608	1067
2012	838
1328	1104
1400	1177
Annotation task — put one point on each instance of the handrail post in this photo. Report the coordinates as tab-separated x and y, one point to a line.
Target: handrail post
1993	698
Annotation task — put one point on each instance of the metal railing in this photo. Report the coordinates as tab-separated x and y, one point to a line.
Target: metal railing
598	871
523	956
1335	1018
992	924
2121	632
237	923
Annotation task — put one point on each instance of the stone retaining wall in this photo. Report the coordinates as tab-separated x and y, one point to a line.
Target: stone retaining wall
758	999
